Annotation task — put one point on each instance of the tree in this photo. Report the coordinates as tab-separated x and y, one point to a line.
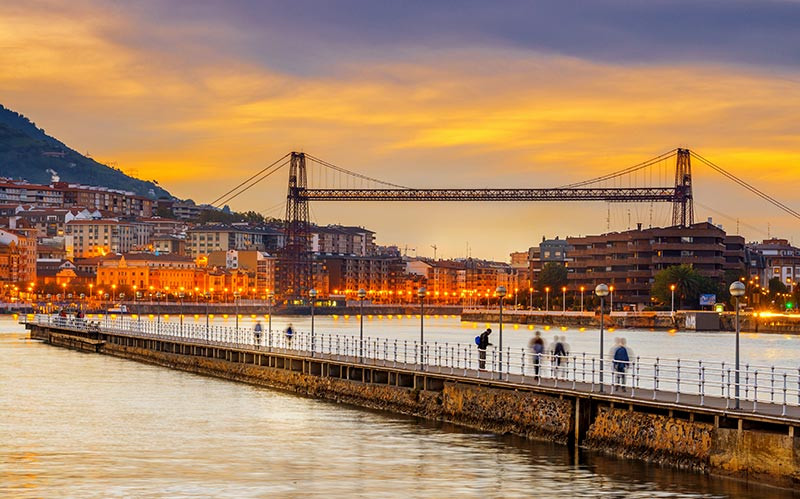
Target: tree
689	285
553	275
776	286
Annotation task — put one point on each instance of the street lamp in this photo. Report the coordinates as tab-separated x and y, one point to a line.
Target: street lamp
563	299
312	293
362	293
672	303
602	291
136	296
501	292
547	299
208	328
181	296
270	298
737	290
530	299
158	312
583	288
236	309
421	292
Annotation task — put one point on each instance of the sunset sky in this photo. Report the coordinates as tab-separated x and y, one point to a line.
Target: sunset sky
200	94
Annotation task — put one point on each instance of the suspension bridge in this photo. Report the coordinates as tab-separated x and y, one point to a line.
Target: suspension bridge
666	178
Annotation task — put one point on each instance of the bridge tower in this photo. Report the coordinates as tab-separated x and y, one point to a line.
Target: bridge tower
294	265
683	206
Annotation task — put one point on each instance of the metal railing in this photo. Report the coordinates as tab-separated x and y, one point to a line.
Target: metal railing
689	382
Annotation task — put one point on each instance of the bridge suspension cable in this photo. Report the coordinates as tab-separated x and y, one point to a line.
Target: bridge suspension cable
624	171
352	173
232	194
747	186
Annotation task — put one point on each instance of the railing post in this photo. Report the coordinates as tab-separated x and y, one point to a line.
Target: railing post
678	386
655	378
508	362
728	398
583	368
783	411
593	359
574	371
702	385
755	390
772	385
746	380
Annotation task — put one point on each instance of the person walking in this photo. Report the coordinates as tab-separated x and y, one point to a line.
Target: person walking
559	355
621	363
289	334
257	330
483	344
536	346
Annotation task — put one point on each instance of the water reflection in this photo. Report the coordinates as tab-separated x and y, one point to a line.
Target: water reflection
86	425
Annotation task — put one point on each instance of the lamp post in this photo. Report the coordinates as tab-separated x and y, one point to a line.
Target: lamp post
158	312
737	290
181	296
312	293
208	327
563	299
672	300
583	288
501	293
421	292
106	298
516	293
530	299
602	291
270	297
547	299
236	309
136	297
362	293
611	297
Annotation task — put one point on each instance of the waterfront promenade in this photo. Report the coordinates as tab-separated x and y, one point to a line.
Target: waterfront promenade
765	391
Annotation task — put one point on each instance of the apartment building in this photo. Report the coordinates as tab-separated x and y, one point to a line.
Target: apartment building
100	237
629	260
119	203
143	270
376	274
21	192
343	240
205	239
777	258
18	255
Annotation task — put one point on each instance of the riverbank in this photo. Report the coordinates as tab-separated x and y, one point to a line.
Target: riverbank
680	321
247	309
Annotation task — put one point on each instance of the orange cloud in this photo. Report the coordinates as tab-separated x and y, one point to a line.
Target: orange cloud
471	117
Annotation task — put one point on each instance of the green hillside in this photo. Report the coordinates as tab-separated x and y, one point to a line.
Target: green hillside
27	152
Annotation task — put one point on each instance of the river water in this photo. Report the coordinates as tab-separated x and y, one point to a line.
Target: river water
83	425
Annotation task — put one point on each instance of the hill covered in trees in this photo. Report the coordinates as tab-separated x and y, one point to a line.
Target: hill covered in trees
27	152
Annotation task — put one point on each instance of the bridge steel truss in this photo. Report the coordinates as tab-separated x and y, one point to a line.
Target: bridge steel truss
295	264
643	194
